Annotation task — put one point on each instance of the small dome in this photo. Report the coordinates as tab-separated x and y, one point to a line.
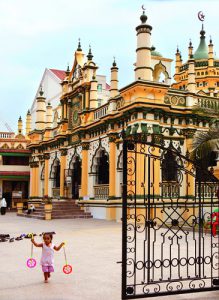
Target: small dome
202	51
154	52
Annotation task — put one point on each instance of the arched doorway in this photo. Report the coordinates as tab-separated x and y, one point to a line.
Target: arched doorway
76	177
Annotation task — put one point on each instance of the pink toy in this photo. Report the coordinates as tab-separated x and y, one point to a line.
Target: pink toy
31	262
67	269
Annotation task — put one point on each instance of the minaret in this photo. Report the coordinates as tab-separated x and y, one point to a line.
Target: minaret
49	115
20	126
143	68
114	80
93	93
190	48
178	61
191	86
41	111
28	122
210	54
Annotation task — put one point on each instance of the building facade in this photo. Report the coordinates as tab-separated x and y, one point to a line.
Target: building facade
14	166
80	155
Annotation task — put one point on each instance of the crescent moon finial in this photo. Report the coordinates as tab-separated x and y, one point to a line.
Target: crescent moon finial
201	16
143	7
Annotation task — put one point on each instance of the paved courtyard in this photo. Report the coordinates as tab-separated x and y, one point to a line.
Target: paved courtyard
93	248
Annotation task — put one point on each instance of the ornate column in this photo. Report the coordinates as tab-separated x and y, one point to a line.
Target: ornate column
32	179
62	172
84	171
37	178
111	211
46	174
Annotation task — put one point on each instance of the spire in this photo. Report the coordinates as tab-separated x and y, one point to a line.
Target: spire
143	17
41	91
211	53
90	55
190	49
79	45
67	70
114	62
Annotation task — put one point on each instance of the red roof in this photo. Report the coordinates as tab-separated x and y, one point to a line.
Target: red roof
107	87
59	73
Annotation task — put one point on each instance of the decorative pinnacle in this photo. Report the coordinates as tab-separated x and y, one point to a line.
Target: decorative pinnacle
202	32
41	91
68	70
90	55
79	45
190	43
28	112
114	61
143	17
20	119
210	40
177	49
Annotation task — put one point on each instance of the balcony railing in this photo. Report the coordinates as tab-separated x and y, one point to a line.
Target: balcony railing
170	189
101	112
101	191
7	135
208	190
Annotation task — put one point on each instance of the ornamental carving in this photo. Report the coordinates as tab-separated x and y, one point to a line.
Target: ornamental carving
34	164
85	145
112	137
175	100
188	133
46	156
64	152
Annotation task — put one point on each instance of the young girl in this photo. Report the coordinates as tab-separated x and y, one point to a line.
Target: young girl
47	258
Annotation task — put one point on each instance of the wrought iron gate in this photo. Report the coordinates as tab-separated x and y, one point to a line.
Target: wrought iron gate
167	242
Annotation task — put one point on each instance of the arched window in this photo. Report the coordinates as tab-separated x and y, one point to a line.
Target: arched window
102	174
169	167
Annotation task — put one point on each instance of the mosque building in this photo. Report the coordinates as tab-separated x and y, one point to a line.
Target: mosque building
79	154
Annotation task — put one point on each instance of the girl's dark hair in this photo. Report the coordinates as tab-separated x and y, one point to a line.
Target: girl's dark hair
49	234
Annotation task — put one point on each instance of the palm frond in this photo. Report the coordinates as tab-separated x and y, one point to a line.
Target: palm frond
204	143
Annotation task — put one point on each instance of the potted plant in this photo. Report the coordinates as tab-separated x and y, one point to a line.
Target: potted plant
47	207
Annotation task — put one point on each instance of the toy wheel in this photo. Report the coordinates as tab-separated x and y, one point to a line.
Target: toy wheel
67	269
31	263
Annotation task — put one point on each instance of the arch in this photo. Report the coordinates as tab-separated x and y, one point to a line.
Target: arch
20	147
120	161
74	171
160	73
55	171
100	165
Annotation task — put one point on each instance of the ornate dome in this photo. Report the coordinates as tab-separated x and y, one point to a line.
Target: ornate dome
155	53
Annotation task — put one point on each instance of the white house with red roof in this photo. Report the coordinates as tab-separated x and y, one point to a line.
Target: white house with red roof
50	84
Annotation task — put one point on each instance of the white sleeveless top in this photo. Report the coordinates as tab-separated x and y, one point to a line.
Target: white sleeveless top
47	258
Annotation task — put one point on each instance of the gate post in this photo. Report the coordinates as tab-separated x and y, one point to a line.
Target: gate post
124	220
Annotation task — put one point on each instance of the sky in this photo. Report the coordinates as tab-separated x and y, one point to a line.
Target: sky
43	34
